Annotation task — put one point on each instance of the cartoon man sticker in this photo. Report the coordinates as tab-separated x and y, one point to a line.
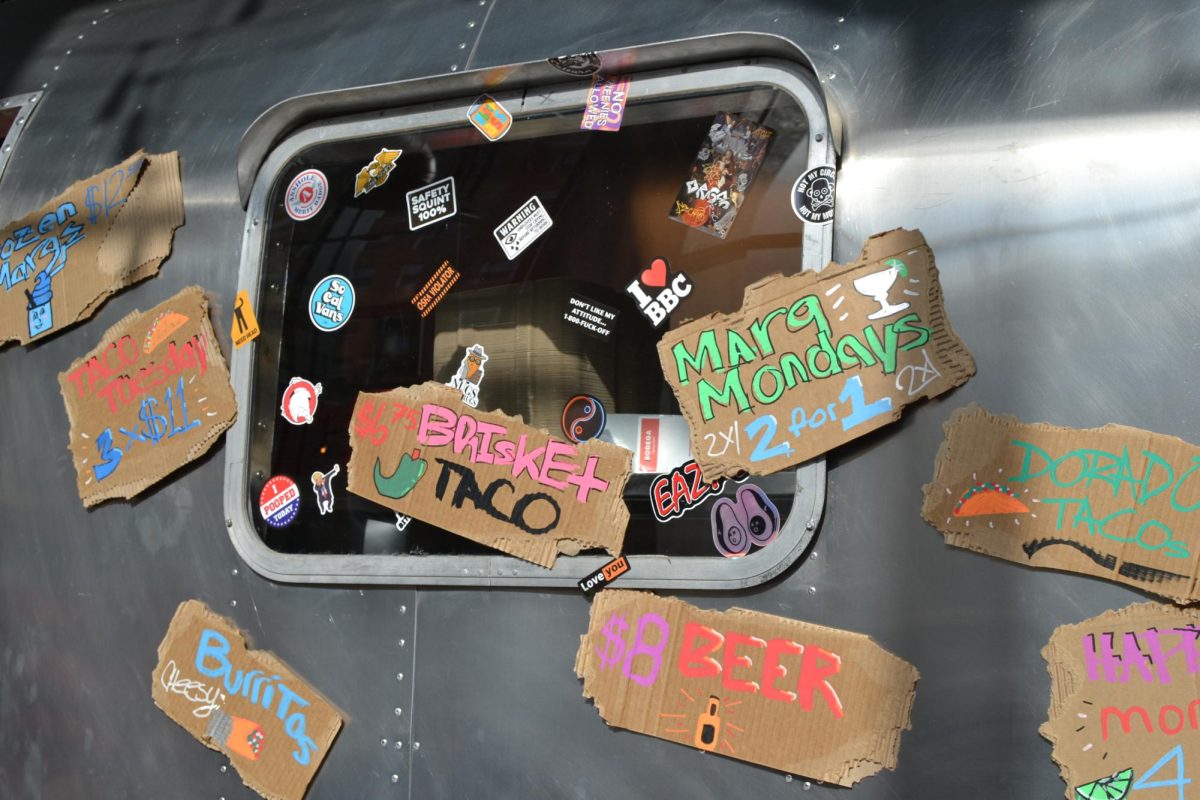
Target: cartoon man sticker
322	483
470	373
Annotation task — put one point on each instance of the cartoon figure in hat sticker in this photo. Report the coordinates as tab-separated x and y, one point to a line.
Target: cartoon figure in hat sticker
470	373
299	402
322	483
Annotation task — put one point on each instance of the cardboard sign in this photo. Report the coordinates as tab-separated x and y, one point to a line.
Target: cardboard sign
275	728
814	361
1123	703
1114	502
59	263
487	476
152	396
814	701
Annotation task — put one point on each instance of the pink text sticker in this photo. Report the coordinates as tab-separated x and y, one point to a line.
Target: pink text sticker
606	103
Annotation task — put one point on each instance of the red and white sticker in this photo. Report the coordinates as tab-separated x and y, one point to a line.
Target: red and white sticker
306	194
299	403
648	444
279	501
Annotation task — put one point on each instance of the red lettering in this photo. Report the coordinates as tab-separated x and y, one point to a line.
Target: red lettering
664	503
695	659
732	661
773	670
1126	719
679	489
1162	719
816	665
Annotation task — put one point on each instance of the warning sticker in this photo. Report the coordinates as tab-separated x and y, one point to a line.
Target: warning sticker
521	229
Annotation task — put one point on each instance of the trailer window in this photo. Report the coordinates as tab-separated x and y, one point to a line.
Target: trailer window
14	118
608	196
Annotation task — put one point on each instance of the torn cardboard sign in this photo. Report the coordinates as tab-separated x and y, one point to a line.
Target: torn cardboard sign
492	478
1123	701
152	396
815	701
1115	502
59	263
814	361
275	728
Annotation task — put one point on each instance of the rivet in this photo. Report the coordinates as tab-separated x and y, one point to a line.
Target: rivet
399	676
830	76
233	603
258	474
399	711
454	67
21	121
399	745
235	572
837	47
274	287
841	19
395	778
416	746
56	67
462	45
787	778
8	148
403	609
68	52
383	742
224	769
33	99
471	24
81	36
820	137
229	524
255	223
812	590
814	555
401	643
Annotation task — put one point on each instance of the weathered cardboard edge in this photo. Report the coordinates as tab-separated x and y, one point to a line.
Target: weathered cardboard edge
201	609
131	489
969	414
569	546
853	770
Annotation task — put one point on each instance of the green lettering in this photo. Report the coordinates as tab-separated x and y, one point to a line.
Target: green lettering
906	325
812	304
706	350
740	351
885	353
761	333
706	393
793	370
822	347
861	354
756	384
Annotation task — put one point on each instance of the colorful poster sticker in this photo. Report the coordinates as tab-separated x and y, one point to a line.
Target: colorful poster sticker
606	104
306	195
489	117
331	303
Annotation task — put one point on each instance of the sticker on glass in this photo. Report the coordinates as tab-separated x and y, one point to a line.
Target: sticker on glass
669	288
749	518
432	203
306	194
322	483
470	373
279	501
299	403
812	195
523	228
375	174
583	418
606	104
331	303
245	324
489	117
721	174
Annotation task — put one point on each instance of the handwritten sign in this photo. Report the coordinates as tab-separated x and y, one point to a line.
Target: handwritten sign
152	396
487	476
59	263
249	705
798	697
1123	704
1114	502
814	361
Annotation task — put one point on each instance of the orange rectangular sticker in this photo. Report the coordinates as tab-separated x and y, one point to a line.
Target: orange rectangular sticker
245	325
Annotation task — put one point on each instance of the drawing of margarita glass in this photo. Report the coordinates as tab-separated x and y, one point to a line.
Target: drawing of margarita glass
878	284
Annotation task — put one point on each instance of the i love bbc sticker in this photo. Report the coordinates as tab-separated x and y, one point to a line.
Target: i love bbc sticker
331	303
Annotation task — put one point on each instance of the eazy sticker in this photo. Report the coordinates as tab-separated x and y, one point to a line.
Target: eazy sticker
812	195
279	501
489	117
322	483
299	402
583	418
331	303
306	194
376	173
470	373
668	290
245	324
521	229
430	204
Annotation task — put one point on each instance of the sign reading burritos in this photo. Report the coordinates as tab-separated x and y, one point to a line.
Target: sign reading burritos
152	396
1123	703
59	263
815	701
814	361
487	476
275	728
1115	502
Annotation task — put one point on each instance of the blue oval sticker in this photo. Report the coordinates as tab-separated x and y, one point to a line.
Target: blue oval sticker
331	303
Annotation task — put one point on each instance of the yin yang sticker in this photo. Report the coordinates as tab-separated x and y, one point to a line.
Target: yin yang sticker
812	195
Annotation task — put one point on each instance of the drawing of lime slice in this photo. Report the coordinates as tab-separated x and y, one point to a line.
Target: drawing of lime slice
1114	787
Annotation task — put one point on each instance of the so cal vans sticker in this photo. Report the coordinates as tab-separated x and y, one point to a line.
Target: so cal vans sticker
306	194
331	303
523	228
376	173
299	402
489	117
279	501
432	203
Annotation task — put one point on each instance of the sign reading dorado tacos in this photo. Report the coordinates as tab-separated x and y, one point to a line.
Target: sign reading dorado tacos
491	477
813	361
275	728
820	702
